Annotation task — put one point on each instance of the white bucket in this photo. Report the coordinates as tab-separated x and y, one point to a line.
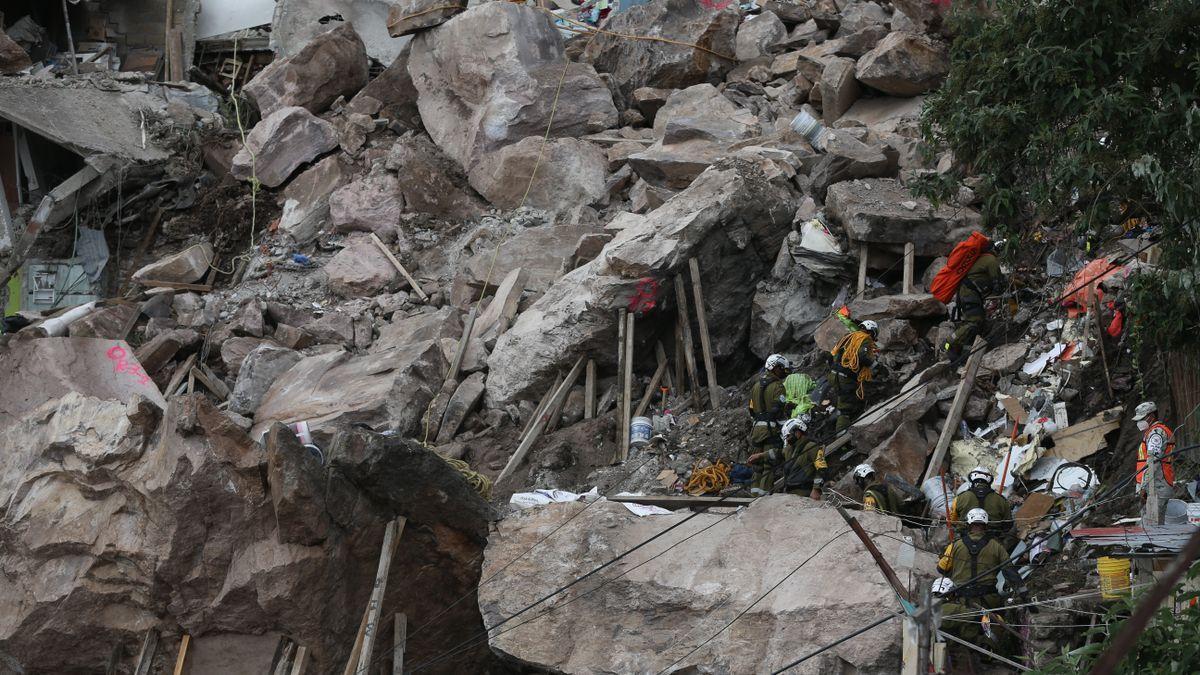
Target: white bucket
811	128
640	429
1193	514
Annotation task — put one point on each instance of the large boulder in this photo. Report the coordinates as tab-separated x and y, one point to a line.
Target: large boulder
404	331
360	270
883	211
186	267
333	64
259	369
281	143
731	219
410	16
306	198
757	35
697	588
566	172
542	251
904	64
651	63
384	390
430	182
839	89
786	308
372	203
391	95
491	76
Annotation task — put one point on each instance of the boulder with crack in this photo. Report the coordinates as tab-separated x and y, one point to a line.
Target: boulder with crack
333	64
732	219
281	143
634	624
491	76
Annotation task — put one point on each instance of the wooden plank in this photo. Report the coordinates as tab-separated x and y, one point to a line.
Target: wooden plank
660	353
177	285
542	405
301	661
183	647
621	323
650	389
387	550
396	263
626	393
180	373
862	268
146	656
175	54
281	668
689	347
352	662
399	641
956	410
540	422
681	501
680	375
910	264
1100	345
589	390
210	381
468	326
714	391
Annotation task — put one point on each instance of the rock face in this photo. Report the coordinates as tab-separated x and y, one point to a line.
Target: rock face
333	64
645	63
387	389
757	35
634	624
570	172
904	64
878	211
786	309
487	78
103	533
281	143
395	92
188	266
259	369
731	219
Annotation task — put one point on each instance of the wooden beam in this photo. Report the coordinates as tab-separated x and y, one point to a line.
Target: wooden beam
390	537
681	501
281	667
179	660
176	285
660	353
626	393
144	246
650	389
539	422
399	642
180	373
621	323
888	572
862	267
680	374
542	405
396	263
956	409
146	656
301	661
910	264
714	391
589	390
689	347
468	326
210	381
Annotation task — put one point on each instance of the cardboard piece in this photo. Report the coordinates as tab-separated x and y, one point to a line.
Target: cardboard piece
1036	505
1085	438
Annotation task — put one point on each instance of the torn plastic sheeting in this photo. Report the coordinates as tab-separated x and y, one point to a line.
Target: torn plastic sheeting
525	500
817	249
1062	481
1036	366
1087	283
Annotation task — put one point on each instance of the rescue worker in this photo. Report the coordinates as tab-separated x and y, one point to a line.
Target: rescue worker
876	494
853	357
981	496
983	279
800	462
977	554
1154	462
954	610
768	403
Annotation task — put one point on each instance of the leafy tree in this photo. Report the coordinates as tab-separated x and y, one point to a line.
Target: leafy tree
1083	113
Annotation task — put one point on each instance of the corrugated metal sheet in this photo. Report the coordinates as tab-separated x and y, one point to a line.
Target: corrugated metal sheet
1166	538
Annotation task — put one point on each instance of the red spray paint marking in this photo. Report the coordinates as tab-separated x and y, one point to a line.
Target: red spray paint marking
716	4
122	365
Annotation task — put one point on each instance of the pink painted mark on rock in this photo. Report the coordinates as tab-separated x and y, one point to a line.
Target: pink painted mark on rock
122	364
716	4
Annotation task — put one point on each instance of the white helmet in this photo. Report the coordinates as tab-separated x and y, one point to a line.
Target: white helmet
942	586
863	470
977	516
1144	409
792	425
870	326
777	361
980	474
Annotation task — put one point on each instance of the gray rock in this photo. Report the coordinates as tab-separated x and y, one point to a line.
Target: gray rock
395	92
874	211
466	396
372	203
785	311
541	251
860	42
904	64
1005	359
758	34
915	306
488	78
359	270
649	100
332	328
847	158
333	64
431	182
160	349
281	143
839	89
645	63
859	15
261	367
186	267
306	199
426	326
881	421
298	487
838	591
569	172
410	16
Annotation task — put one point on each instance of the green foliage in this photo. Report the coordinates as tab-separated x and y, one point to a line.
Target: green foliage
1170	644
1083	113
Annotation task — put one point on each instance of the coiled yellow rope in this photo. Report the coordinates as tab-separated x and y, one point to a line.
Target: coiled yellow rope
849	346
480	482
712	478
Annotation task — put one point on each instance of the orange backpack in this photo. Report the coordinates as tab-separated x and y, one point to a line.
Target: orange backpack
964	255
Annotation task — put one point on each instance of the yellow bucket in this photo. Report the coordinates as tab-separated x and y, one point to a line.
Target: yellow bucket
1114	577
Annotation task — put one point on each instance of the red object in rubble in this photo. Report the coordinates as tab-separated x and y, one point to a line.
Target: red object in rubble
645	296
945	282
1117	324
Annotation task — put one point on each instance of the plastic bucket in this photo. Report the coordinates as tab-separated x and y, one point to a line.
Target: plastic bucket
1114	577
809	127
1193	514
640	429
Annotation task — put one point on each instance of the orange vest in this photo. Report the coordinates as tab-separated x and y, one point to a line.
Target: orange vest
1168	448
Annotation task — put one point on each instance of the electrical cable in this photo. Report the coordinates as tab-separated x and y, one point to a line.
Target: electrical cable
878	622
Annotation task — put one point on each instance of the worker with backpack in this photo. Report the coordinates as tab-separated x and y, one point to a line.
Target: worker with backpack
970	276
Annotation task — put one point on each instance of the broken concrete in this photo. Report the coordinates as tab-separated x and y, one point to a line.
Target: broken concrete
281	143
332	64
